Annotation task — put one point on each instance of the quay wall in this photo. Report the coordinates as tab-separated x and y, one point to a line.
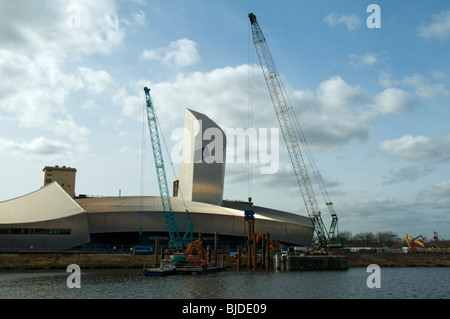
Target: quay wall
94	261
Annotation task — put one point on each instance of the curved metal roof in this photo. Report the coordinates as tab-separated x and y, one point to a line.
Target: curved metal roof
48	203
153	204
133	213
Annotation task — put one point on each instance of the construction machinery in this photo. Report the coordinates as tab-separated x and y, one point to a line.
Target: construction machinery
271	244
176	241
435	240
294	139
414	242
197	244
188	256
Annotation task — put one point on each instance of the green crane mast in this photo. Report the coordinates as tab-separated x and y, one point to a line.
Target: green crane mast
176	240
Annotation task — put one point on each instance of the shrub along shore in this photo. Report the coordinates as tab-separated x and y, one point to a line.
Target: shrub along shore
24	261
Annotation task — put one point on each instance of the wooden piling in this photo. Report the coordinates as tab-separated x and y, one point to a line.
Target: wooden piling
239	258
249	244
268	250
156	250
216	241
263	253
255	252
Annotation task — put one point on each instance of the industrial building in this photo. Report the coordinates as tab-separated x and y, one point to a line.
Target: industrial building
53	218
64	175
45	219
201	179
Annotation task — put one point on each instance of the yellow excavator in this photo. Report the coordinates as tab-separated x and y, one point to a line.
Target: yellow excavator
415	242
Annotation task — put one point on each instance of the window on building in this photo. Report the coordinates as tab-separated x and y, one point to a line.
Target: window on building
35	231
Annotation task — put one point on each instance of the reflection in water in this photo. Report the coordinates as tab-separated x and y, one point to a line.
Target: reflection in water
121	283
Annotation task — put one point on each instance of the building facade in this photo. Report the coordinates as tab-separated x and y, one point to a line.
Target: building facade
202	168
53	218
64	176
45	219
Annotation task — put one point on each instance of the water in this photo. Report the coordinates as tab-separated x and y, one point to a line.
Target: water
396	283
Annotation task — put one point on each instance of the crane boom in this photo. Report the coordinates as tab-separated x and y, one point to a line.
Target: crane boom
175	239
290	134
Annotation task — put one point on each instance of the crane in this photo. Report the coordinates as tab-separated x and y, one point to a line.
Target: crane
415	242
175	239
292	135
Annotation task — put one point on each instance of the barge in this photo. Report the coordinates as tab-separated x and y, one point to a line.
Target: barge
165	268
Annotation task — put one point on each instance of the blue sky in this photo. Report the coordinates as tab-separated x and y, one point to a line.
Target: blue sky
372	102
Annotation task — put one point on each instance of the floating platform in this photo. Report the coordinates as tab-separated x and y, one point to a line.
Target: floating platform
166	268
155	272
311	262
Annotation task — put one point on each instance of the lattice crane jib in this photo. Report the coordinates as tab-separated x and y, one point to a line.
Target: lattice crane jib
289	132
176	240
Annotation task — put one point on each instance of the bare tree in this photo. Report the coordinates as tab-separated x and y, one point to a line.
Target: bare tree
386	238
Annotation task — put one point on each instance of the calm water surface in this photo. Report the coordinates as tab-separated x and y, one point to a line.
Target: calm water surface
396	283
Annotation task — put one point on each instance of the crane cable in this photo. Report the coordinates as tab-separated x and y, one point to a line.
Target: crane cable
312	163
143	143
250	112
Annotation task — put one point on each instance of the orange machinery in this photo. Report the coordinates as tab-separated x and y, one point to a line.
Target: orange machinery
414	242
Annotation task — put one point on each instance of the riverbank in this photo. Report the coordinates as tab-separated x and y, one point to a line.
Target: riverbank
98	261
61	261
398	259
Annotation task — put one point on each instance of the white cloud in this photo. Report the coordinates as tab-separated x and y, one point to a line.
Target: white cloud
438	190
46	92
420	148
97	81
383	213
139	18
351	21
338	113
182	52
366	59
335	93
89	105
334	114
131	105
37	41
38	147
222	94
421	85
438	28
409	173
43	26
438	74
394	101
423	88
363	60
